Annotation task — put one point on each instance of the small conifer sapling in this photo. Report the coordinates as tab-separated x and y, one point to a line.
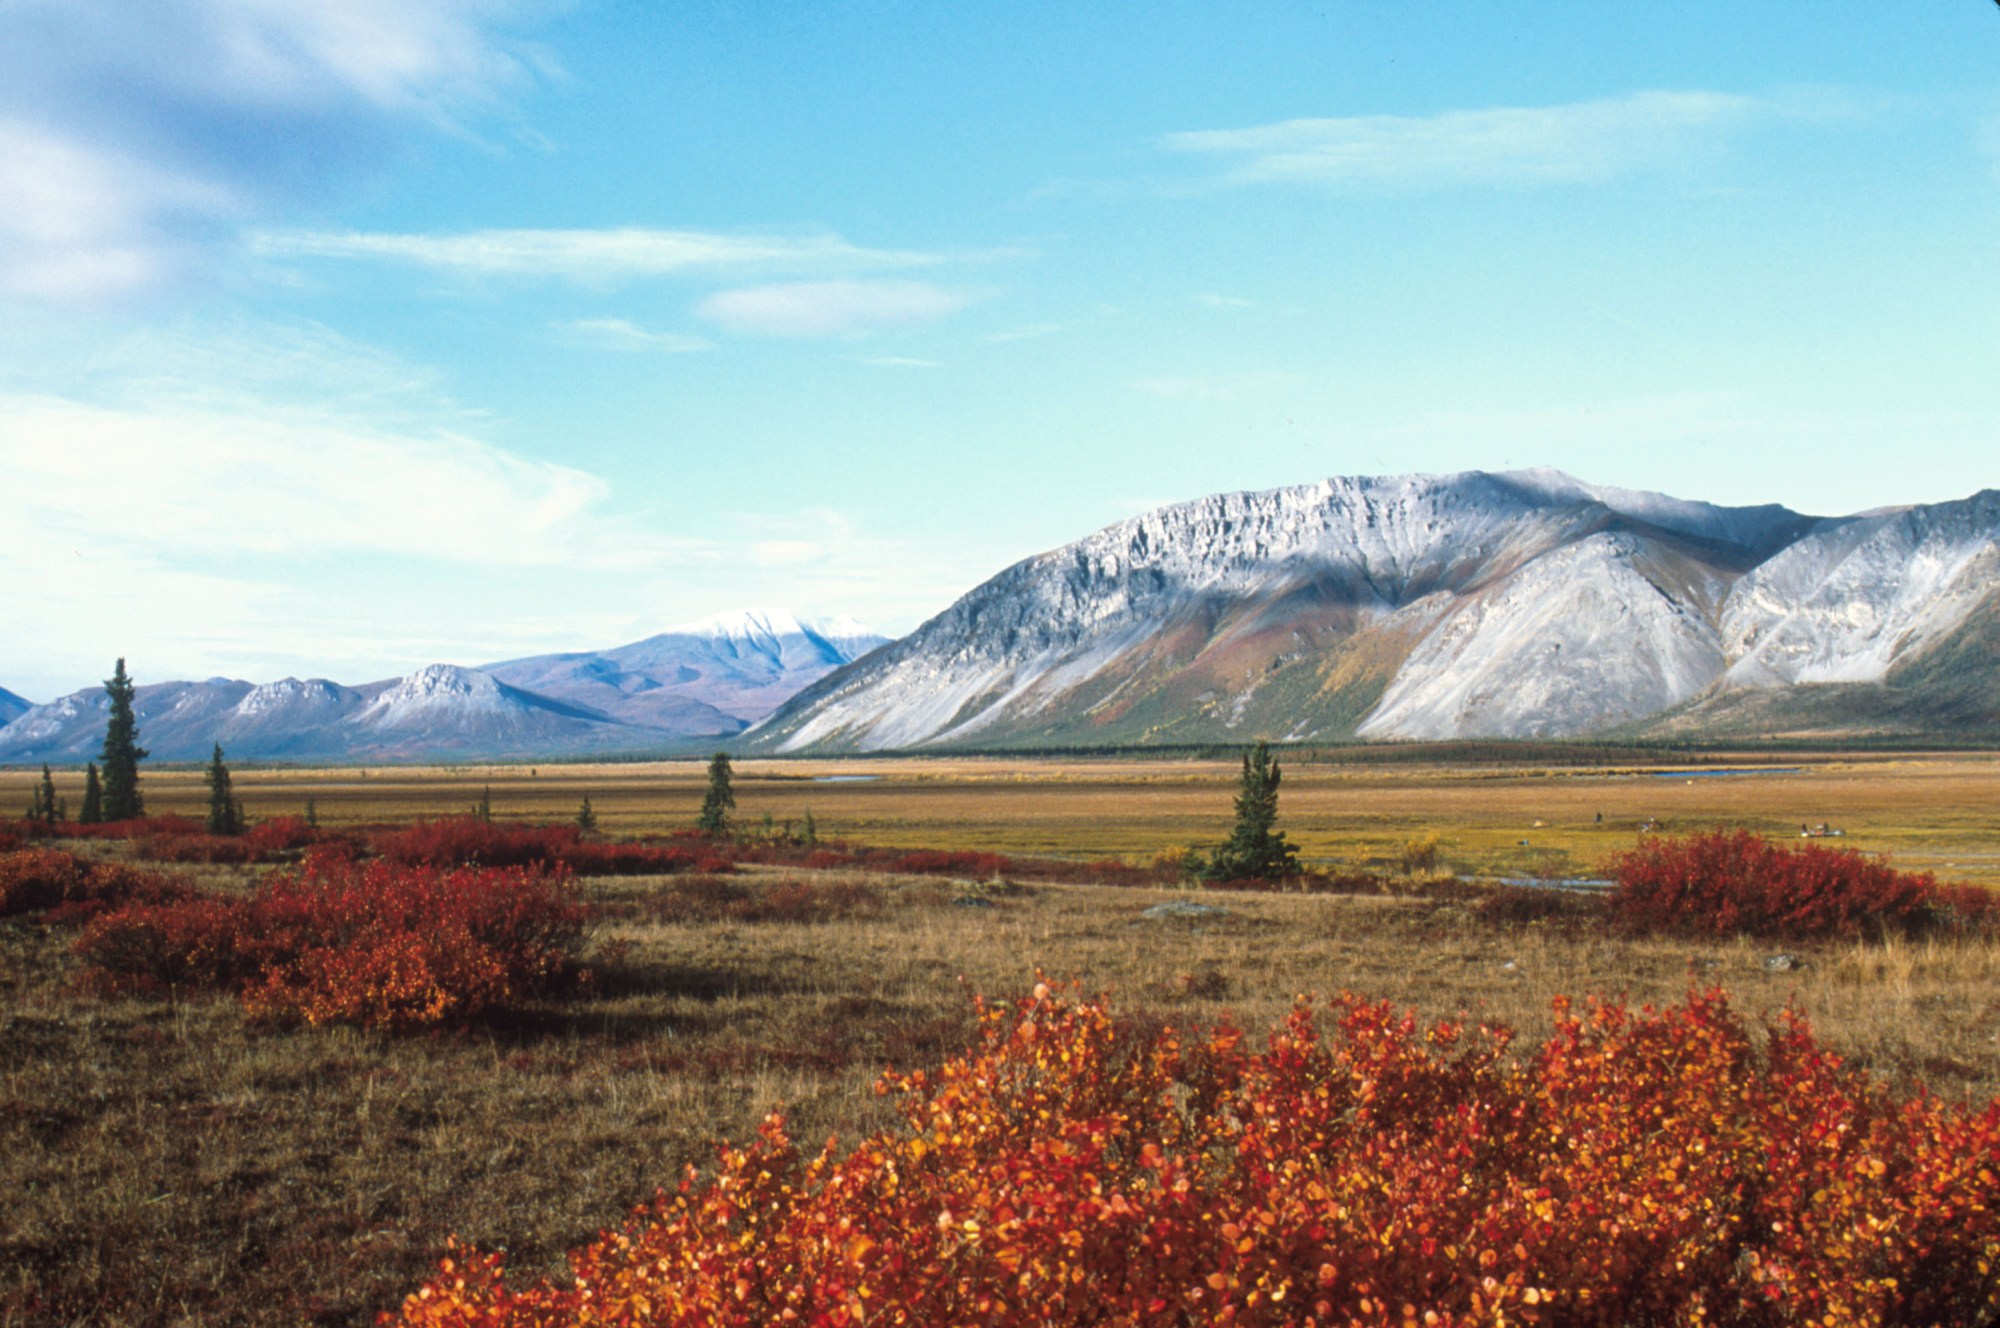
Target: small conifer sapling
93	797
720	799
1255	851
225	813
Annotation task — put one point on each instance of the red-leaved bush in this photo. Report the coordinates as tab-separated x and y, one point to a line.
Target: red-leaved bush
1724	883
472	841
940	862
379	944
274	840
69	889
1640	1169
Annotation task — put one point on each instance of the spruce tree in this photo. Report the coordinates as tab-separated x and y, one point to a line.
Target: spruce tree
122	752
225	813
45	809
1255	851
93	797
720	800
586	819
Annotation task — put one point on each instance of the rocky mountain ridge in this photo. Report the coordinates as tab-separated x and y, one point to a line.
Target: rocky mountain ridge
1518	605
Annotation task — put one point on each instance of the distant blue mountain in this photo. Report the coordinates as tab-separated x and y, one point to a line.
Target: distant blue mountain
684	687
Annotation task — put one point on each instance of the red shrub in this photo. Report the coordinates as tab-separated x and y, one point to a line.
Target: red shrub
280	834
1640	1169
196	848
69	889
1965	908
644	859
469	841
266	841
195	942
381	945
937	862
1722	883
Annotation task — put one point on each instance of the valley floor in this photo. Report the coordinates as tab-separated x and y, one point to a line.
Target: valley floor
1938	813
170	1162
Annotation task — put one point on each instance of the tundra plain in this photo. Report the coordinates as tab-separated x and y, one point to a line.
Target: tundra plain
172	1162
1928	812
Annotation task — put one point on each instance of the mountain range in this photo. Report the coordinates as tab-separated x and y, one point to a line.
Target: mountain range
1520	605
1527	604
693	684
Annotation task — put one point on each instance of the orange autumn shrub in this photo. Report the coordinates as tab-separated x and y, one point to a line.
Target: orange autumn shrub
374	944
1641	1169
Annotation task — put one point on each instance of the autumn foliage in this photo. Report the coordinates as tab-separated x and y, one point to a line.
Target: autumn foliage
66	888
1726	883
376	944
1641	1168
472	841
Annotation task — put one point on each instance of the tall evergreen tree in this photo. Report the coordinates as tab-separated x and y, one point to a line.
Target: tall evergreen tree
225	813
93	797
46	810
586	818
720	799
122	752
1255	851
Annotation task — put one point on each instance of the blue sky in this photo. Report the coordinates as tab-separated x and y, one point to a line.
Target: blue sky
341	339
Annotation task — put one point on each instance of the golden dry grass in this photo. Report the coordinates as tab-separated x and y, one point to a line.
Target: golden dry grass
170	1163
167	1162
1929	812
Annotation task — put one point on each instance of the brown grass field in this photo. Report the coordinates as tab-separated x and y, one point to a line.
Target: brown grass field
168	1162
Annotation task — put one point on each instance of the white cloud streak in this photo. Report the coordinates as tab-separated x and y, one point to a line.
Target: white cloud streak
268	499
830	308
135	139
1581	141
619	334
594	255
190	482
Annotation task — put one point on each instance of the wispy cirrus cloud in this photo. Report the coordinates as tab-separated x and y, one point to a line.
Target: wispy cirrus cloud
1542	145
136	140
599	255
619	334
830	308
